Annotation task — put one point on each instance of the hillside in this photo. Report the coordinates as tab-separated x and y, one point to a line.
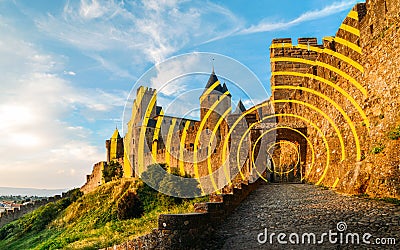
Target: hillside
90	221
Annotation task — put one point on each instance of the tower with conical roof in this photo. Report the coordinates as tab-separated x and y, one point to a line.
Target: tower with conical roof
214	103
115	147
240	108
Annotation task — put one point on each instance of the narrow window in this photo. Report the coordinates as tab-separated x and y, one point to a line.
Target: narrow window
386	9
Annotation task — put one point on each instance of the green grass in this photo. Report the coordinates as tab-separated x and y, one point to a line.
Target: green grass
91	221
391	200
385	199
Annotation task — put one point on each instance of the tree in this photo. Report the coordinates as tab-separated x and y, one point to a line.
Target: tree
112	171
154	174
178	185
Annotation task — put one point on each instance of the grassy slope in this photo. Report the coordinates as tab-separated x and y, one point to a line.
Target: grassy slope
89	223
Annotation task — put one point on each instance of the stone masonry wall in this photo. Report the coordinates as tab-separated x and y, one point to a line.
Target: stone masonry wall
372	172
95	179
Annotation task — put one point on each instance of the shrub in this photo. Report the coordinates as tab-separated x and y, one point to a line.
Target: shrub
129	206
377	149
395	134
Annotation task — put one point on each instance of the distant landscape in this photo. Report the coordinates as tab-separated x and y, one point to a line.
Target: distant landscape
11	191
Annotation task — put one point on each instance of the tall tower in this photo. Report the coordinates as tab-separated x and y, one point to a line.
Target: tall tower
283	48
115	147
214	102
143	111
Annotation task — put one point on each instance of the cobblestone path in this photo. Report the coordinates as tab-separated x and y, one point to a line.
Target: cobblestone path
302	209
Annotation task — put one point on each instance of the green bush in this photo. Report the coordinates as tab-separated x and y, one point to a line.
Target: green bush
129	206
162	190
395	134
377	149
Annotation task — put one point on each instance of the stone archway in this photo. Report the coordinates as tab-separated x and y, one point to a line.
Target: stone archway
288	156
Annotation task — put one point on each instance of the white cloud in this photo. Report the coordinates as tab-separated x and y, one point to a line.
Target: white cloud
112	67
170	75
37	143
71	73
265	26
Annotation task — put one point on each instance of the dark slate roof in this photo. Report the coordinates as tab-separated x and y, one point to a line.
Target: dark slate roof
240	108
224	89
158	110
151	123
213	78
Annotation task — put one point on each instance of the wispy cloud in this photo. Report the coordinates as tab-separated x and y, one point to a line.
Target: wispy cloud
265	26
148	30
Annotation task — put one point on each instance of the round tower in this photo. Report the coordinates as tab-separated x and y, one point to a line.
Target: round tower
214	102
115	147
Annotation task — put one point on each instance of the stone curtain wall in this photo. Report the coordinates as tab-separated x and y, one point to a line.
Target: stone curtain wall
380	39
376	174
95	179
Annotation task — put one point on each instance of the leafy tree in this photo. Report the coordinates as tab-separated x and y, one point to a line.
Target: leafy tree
178	185
112	171
161	189
154	174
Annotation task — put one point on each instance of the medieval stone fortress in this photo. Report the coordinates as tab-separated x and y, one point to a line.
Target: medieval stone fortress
333	106
332	121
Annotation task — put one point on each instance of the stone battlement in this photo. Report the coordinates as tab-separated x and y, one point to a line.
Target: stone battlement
313	41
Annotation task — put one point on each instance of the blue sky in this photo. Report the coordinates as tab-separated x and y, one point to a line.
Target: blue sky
67	67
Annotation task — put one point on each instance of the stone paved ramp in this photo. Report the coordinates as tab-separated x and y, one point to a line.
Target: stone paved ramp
302	208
